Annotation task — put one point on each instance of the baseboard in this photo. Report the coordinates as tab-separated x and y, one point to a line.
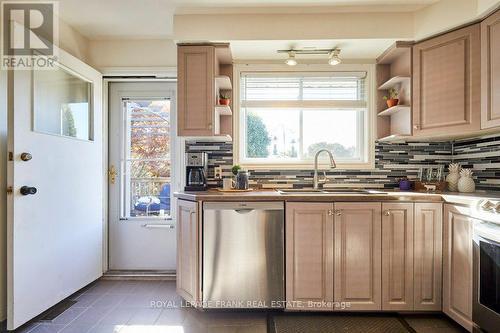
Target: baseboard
139	275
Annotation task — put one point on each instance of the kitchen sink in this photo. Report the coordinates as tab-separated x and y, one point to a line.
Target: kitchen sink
326	191
300	191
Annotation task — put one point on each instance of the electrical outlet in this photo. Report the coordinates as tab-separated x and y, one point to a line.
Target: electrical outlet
218	172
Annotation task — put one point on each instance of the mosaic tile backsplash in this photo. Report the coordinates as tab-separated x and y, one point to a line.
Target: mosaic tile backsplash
392	162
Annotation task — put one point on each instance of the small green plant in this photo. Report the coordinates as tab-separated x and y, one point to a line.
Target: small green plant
235	169
225	95
393	94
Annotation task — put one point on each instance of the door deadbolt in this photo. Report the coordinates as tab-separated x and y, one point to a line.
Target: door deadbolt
26	157
27	190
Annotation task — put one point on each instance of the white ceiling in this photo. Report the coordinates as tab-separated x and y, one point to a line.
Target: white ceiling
133	19
350	49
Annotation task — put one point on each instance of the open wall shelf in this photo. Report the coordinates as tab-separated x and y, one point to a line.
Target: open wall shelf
394	82
223	82
394	72
392	110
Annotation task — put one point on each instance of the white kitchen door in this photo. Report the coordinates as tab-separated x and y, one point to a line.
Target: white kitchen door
141	158
55	174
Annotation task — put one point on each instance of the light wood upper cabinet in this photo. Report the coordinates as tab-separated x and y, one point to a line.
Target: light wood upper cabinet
397	256
490	71
309	255
188	250
428	256
357	269
447	83
457	265
196	90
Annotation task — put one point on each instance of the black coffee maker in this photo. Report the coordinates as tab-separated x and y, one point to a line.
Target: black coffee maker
196	171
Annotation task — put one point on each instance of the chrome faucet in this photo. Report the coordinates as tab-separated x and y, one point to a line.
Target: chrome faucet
333	165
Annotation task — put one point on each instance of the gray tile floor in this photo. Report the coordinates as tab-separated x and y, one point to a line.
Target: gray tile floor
154	307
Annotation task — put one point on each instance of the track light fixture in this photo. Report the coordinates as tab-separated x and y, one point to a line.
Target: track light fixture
291	59
333	55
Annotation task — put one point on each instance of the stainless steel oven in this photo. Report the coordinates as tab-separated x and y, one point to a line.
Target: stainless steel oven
486	307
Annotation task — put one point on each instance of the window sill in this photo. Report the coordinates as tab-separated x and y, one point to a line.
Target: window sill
307	166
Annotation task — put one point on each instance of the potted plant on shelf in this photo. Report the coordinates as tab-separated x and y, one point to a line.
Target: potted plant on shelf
224	98
392	99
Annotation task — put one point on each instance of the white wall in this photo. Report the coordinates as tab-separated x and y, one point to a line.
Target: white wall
73	42
378	25
132	53
448	14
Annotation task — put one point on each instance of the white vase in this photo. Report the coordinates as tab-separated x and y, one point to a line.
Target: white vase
466	183
453	177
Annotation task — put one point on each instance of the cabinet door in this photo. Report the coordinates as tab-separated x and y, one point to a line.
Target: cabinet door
428	256
187	250
397	256
447	83
309	256
195	90
457	265
490	71
357	277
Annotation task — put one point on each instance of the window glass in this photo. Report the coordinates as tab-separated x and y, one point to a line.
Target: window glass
288	117
146	171
62	104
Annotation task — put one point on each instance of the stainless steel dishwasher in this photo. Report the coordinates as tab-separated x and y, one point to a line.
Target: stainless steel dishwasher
243	255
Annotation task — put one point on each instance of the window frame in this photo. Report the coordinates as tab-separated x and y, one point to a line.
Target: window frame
239	125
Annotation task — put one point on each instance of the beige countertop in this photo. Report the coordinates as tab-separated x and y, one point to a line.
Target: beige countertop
272	195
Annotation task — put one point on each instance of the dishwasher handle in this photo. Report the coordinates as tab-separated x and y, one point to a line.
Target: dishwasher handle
244	206
244	211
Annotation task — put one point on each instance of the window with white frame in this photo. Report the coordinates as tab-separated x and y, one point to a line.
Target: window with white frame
286	117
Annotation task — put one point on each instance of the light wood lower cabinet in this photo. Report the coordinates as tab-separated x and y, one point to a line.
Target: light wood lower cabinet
457	265
309	256
188	255
397	256
428	256
357	268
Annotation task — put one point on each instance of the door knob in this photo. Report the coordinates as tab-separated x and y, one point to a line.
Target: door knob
26	157
26	190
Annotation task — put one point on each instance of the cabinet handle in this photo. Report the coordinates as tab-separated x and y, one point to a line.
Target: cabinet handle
416	127
330	213
387	213
338	212
210	126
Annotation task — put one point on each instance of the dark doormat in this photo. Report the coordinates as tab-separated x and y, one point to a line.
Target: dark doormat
338	323
56	310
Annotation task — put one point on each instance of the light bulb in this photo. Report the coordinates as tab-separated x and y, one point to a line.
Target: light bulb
334	57
291	59
334	61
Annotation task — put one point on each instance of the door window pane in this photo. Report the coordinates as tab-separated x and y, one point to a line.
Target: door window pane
146	164
61	104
